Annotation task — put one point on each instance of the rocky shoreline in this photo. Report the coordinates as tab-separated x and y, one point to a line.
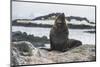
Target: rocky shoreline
24	53
35	40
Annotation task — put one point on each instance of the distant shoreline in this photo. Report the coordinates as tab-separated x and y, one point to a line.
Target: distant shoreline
71	26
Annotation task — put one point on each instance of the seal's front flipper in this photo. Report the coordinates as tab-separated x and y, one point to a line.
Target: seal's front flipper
48	49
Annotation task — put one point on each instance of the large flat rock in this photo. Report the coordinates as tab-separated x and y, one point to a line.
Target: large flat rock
42	56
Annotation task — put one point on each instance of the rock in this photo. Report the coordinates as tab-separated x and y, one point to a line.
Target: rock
24	47
42	56
40	52
81	53
19	50
16	58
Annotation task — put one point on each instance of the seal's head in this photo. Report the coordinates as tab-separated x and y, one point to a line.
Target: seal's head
60	20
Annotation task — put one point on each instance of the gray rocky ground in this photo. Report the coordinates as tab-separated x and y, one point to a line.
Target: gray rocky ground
24	53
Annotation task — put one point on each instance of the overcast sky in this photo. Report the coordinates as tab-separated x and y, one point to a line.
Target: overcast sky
30	10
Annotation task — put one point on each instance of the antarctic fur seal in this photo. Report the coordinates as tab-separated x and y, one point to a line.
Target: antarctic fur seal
59	35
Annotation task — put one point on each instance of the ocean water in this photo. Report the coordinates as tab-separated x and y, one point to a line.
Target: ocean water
51	22
79	34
